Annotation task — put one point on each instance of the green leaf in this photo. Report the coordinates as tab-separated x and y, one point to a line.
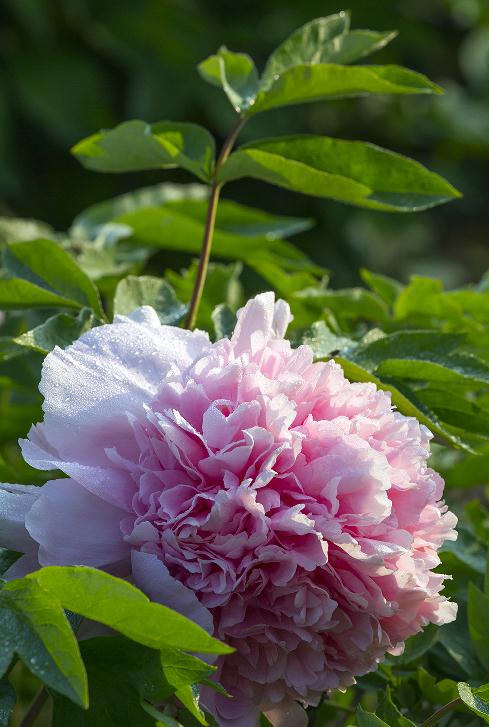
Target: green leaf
317	82
222	287
172	228
16	229
413	345
35	628
135	146
43	274
224	320
437	692
473	701
478	607
456	641
357	44
133	292
367	719
235	73
457	369
457	411
323	341
7	702
120	674
323	40
59	330
405	400
354	172
238	219
387	288
7	558
189	697
417	646
346	304
468	551
119	605
181	669
312	43
8	349
89	222
391	714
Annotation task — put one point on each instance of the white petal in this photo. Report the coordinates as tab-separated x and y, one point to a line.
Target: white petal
254	326
15	502
281	318
112	370
73	527
152	576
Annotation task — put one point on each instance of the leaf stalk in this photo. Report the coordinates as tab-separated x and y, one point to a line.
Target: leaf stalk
210	224
34	710
436	716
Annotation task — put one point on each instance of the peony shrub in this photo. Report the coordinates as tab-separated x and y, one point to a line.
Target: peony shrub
287	511
231	513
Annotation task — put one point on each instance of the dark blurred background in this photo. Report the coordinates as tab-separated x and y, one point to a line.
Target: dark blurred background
69	67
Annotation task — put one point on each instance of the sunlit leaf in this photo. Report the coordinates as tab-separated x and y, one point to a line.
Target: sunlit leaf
135	146
354	172
235	73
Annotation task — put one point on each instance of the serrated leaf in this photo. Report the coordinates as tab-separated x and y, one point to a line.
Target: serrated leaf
478	607
354	172
119	605
308	82
35	628
133	292
43	274
474	702
135	146
59	330
367	719
235	73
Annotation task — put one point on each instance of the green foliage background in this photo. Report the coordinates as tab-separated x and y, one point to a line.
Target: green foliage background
69	67
73	66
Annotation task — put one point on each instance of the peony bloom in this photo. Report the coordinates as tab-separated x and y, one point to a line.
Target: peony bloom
281	507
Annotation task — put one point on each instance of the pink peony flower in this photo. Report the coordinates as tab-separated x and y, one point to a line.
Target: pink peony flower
281	507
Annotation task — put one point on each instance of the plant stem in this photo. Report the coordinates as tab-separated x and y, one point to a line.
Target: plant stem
436	716
36	705
210	222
